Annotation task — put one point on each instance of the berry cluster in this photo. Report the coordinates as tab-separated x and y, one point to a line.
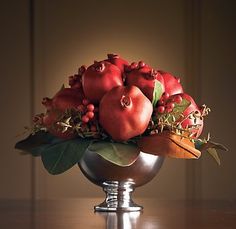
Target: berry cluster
87	110
87	117
166	104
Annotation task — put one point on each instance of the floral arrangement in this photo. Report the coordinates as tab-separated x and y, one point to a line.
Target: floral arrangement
117	109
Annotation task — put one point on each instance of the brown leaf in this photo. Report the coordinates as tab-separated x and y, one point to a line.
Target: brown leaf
170	145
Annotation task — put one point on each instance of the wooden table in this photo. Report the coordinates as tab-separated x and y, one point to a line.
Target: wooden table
78	213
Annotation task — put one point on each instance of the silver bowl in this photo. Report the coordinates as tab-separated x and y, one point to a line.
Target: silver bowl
119	182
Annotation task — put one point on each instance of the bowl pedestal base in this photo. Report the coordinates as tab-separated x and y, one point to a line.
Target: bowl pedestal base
118	197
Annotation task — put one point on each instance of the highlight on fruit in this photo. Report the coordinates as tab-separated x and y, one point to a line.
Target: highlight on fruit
114	101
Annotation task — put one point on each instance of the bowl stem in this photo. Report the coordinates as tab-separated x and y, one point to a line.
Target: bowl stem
118	197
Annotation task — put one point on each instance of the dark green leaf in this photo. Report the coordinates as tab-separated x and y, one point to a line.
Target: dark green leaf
117	153
37	151
57	158
36	143
198	144
202	146
157	92
214	154
210	147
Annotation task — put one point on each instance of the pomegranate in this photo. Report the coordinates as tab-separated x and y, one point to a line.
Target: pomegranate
50	120
118	61
172	83
100	78
75	81
66	98
124	112
193	116
144	77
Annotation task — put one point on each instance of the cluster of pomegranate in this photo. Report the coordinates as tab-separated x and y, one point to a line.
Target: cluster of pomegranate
114	99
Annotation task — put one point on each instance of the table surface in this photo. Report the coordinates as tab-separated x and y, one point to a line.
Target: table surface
78	213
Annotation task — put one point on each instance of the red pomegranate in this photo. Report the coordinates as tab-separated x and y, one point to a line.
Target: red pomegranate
144	78
192	116
118	61
100	78
124	112
50	120
172	83
66	98
75	81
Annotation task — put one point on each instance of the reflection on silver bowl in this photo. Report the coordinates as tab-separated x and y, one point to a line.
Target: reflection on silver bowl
119	182
120	220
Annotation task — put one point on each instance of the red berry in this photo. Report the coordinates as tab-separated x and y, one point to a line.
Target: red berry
170	105
165	96
85	102
178	99
161	102
141	64
90	107
134	65
161	109
90	114
168	110
85	119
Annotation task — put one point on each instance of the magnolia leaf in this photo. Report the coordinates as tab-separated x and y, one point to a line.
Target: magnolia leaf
157	92
214	154
168	144
35	143
57	158
117	153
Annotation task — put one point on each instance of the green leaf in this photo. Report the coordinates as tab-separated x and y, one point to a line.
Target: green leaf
214	154
210	147
202	146
157	93
60	157
36	143
117	153
198	144
180	108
